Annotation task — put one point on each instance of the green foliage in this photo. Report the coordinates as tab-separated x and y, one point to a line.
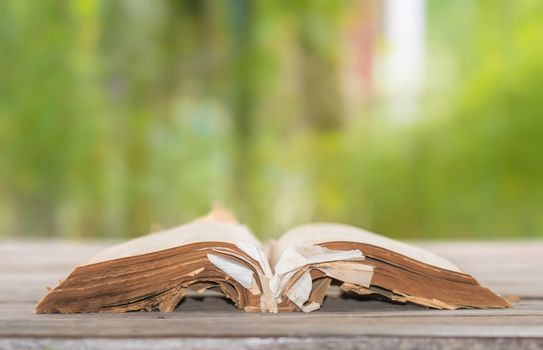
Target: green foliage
474	170
115	115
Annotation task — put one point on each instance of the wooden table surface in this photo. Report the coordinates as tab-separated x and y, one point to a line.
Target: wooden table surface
510	268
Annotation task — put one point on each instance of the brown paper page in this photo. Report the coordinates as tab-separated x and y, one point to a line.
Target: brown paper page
326	232
155	271
374	265
220	225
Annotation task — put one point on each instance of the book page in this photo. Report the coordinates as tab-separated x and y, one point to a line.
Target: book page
345	265
210	228
327	232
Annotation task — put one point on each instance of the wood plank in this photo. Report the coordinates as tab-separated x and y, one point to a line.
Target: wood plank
220	307
272	343
211	323
318	325
239	324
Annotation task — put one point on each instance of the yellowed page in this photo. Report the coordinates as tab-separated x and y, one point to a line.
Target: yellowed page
327	232
202	230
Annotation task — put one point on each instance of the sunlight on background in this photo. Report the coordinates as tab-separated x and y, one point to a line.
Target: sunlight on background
417	119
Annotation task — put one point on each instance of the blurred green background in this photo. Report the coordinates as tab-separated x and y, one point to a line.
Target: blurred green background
415	119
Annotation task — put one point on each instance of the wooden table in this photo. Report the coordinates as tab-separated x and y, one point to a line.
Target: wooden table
512	269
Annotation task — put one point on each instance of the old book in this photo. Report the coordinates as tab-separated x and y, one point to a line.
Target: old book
155	271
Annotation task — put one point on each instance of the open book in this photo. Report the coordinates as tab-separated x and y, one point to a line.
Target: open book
215	252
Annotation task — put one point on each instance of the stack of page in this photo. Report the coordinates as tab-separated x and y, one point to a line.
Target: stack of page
154	272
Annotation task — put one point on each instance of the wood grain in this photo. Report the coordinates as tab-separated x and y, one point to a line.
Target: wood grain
510	268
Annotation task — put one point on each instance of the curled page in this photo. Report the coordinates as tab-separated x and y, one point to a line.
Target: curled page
241	272
346	271
234	269
258	255
337	264
267	300
300	291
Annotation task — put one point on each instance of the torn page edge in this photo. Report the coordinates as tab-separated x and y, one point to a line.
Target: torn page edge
340	265
239	272
298	256
355	273
263	269
348	272
300	291
267	300
258	255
